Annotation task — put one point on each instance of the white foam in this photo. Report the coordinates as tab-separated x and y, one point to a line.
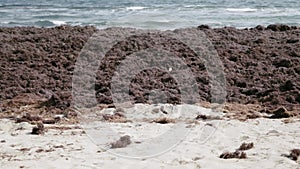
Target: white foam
55	22
241	9
193	6
134	8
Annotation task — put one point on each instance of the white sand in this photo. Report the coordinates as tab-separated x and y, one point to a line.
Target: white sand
74	149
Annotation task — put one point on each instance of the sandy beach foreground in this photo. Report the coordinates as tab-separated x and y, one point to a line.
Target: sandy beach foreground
77	146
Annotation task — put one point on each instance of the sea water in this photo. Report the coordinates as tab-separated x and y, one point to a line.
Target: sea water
149	14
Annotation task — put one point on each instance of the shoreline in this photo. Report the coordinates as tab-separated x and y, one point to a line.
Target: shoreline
201	26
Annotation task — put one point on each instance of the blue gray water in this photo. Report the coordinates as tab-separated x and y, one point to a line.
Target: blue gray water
159	14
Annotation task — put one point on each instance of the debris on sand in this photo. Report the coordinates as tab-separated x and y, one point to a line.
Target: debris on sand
281	112
246	146
236	154
122	142
294	154
202	116
206	117
24	149
51	120
39	150
35	118
163	120
53	101
28	118
242	112
239	153
116	117
39	129
163	110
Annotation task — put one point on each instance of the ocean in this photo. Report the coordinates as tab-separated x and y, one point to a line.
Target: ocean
149	14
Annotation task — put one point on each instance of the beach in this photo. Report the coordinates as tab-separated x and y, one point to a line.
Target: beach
59	97
69	146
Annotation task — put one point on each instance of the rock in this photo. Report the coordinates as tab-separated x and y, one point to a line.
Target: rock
278	27
260	27
122	142
203	27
